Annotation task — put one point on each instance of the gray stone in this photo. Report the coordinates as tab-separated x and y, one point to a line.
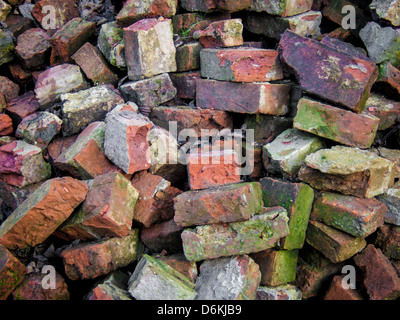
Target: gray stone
231	278
153	279
6	47
113	287
282	292
391	198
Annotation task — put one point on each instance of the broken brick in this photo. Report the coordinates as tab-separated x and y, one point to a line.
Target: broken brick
12	272
185	83
225	33
6	125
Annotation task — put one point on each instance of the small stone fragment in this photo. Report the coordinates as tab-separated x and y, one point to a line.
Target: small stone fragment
6	47
22	106
6	125
113	287
388	10
337	291
282	292
391	198
111	43
9	88
225	33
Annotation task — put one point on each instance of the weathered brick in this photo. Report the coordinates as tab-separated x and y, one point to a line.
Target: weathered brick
12	272
66	41
188	56
212	169
125	141
90	260
259	233
391	199
9	88
346	127
336	291
277	266
42	212
179	263
282	292
388	81
33	46
297	199
232	203
18	24
113	287
388	111
149	48
287	152
379	276
5	10
22	164
185	83
333	10
335	75
154	279
13	196
111	43
387	10
231	278
336	245
254	98
93	64
350	171
6	125
241	65
155	202
22	106
282	8
6	47
133	11
215	5
225	33
356	216
81	108
388	237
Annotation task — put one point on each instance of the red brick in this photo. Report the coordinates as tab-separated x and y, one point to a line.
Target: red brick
254	98
188	56
66	41
212	169
182	265
8	88
42	212
31	288
185	83
379	277
22	106
93	64
336	291
17	24
388	240
12	272
388	82
6	125
155	201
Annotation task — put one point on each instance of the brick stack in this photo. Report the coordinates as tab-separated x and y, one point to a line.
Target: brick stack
186	149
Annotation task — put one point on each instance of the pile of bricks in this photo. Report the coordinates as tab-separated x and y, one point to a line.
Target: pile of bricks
211	150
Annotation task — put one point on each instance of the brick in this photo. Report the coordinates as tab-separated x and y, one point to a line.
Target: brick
253	98
64	10
149	48
164	155
333	12
20	74
155	202
386	110
232	203
391	199
254	158
336	291
6	47
111	43
81	108
13	196
58	146
212	169
9	88
113	287
22	164
185	83
392	155
225	33
31	288
6	125
387	240
66	41
5	10
85	158
345	127
379	276
39	128
219	240
277	267
241	65
179	263
297	199
22	106
42	212
356	216
33	46
382	43
282	8
388	81
282	292
90	260
18	24
55	81
109	206
335	245
93	64
350	171
304	24
154	279
287	152
386	10
132	11
188	56
336	76
12	272
215	5
163	236
131	130
231	278
150	92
